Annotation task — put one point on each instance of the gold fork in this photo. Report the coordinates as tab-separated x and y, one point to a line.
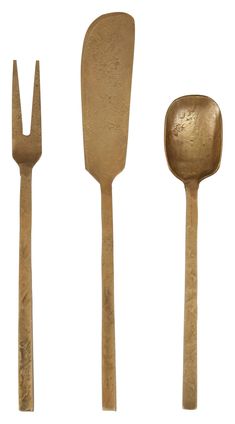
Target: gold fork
26	151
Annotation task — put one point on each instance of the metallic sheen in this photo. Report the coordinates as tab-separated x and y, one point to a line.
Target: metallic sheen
26	151
193	144
106	86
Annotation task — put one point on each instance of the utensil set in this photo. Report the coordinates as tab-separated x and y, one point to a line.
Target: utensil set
193	144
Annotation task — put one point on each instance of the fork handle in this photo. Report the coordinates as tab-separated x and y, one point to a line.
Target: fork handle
190	308
108	325
25	346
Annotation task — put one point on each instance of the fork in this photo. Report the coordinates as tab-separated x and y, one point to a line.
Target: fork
26	151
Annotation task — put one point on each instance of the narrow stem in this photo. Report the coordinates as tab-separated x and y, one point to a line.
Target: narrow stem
26	396
190	311
108	324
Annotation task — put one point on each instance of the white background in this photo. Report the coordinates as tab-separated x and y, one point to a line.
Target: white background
182	47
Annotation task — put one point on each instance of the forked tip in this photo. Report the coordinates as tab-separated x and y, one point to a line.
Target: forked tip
15	72
36	107
16	107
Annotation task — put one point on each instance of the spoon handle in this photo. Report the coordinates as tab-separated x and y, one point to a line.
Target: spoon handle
108	324
25	346
190	311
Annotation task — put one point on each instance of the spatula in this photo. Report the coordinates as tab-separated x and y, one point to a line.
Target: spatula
106	73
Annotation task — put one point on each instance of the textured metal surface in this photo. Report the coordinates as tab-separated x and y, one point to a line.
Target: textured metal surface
193	144
26	152
106	86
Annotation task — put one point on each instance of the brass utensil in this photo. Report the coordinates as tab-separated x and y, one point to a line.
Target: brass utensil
193	144
106	85
26	152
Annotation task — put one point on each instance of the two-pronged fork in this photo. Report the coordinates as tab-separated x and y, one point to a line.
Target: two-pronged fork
26	151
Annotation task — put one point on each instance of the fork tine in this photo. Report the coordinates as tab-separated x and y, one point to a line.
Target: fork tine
16	107
36	107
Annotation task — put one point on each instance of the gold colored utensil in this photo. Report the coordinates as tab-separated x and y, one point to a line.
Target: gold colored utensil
106	86
26	152
193	144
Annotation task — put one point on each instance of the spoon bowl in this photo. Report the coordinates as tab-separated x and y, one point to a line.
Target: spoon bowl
193	137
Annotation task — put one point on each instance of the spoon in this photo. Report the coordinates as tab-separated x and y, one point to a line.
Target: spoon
193	145
106	86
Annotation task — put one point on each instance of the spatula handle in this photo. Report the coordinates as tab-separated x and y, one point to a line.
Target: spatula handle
108	325
25	352
190	311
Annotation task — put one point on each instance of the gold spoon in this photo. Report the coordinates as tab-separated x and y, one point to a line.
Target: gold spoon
106	87
193	145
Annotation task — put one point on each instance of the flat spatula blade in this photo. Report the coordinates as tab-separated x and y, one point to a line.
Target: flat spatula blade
106	86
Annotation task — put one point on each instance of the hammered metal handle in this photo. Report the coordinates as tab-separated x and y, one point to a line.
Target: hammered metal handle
108	325
190	311
26	396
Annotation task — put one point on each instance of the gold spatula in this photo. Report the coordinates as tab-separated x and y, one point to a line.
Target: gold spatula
106	86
